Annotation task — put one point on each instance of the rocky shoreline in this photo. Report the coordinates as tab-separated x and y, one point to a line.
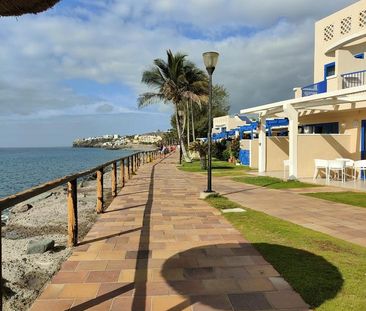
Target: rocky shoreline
27	274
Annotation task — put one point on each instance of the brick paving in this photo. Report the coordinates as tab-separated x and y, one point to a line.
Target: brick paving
158	247
342	221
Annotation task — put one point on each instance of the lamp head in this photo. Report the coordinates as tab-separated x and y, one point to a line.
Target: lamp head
210	61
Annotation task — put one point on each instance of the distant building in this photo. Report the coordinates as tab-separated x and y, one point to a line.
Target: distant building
227	123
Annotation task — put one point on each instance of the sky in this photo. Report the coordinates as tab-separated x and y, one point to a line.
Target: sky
75	70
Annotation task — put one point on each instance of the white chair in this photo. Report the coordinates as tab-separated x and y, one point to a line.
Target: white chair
321	165
349	165
339	168
286	164
359	166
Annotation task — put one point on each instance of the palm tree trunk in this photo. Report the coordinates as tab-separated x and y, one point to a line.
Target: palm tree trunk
180	137
188	134
193	131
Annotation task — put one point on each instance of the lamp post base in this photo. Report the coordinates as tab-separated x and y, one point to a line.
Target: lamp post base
205	194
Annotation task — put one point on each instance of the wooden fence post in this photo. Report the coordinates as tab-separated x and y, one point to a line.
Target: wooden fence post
128	168
132	166
100	191
114	179
72	212
122	168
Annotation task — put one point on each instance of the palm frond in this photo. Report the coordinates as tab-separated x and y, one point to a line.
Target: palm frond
149	98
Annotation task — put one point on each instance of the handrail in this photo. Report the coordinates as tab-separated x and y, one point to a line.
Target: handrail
350	73
352	79
315	88
134	160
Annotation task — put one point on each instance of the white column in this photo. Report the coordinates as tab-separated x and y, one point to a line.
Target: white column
293	117
262	145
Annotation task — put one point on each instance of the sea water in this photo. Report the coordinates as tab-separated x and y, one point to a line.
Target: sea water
23	168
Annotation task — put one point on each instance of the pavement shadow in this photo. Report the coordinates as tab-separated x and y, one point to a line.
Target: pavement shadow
312	276
223	276
141	256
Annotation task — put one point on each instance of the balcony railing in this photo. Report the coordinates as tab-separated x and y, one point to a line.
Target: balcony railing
353	79
316	88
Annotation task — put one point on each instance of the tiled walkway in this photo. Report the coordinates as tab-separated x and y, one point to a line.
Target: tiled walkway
339	220
158	247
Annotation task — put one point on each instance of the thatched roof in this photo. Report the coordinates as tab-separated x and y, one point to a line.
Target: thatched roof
20	7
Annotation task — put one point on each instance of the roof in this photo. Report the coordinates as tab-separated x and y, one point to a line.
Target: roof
244	118
20	7
315	103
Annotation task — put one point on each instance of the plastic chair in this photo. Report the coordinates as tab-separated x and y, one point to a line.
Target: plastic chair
359	166
337	167
321	165
350	164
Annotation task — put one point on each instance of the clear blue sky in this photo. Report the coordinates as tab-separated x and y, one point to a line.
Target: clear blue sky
75	70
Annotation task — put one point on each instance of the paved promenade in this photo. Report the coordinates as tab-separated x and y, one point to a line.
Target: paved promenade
339	220
158	247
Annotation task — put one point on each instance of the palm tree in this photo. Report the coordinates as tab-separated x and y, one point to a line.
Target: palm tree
196	88
175	82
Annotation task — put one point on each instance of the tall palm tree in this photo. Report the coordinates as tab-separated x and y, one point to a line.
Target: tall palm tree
174	82
196	88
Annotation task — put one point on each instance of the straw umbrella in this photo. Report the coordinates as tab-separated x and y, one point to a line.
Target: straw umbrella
20	7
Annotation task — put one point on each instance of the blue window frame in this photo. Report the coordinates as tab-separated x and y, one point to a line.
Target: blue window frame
329	70
360	55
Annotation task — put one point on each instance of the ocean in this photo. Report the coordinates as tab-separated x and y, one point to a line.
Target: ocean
23	168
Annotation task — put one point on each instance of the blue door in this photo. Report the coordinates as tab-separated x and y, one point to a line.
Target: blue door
244	157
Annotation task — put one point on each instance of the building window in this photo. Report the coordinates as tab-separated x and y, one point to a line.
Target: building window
329	33
346	25
360	55
321	128
329	70
362	19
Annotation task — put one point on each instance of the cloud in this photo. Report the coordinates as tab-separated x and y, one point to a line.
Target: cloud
266	49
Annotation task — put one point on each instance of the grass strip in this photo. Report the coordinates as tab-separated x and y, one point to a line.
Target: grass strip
272	182
346	197
219	168
329	273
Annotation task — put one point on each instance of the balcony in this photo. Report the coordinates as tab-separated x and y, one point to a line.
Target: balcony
353	79
313	89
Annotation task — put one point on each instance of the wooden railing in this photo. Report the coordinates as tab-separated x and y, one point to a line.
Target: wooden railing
128	166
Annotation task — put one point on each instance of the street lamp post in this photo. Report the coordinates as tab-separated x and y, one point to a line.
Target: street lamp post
210	61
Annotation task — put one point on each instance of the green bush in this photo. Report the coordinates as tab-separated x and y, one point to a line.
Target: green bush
226	154
235	148
219	148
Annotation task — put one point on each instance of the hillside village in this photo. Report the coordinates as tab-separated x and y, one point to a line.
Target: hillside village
116	141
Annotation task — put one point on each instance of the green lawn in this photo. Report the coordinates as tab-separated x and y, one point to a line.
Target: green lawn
330	274
219	168
347	197
272	182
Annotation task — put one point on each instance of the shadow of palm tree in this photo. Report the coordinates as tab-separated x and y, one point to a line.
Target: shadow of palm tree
313	277
229	267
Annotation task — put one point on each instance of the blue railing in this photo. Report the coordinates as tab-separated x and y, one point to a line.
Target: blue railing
316	88
252	127
353	79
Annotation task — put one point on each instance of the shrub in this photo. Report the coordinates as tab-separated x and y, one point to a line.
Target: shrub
226	154
219	148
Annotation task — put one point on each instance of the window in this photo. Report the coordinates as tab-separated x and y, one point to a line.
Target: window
321	128
329	70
